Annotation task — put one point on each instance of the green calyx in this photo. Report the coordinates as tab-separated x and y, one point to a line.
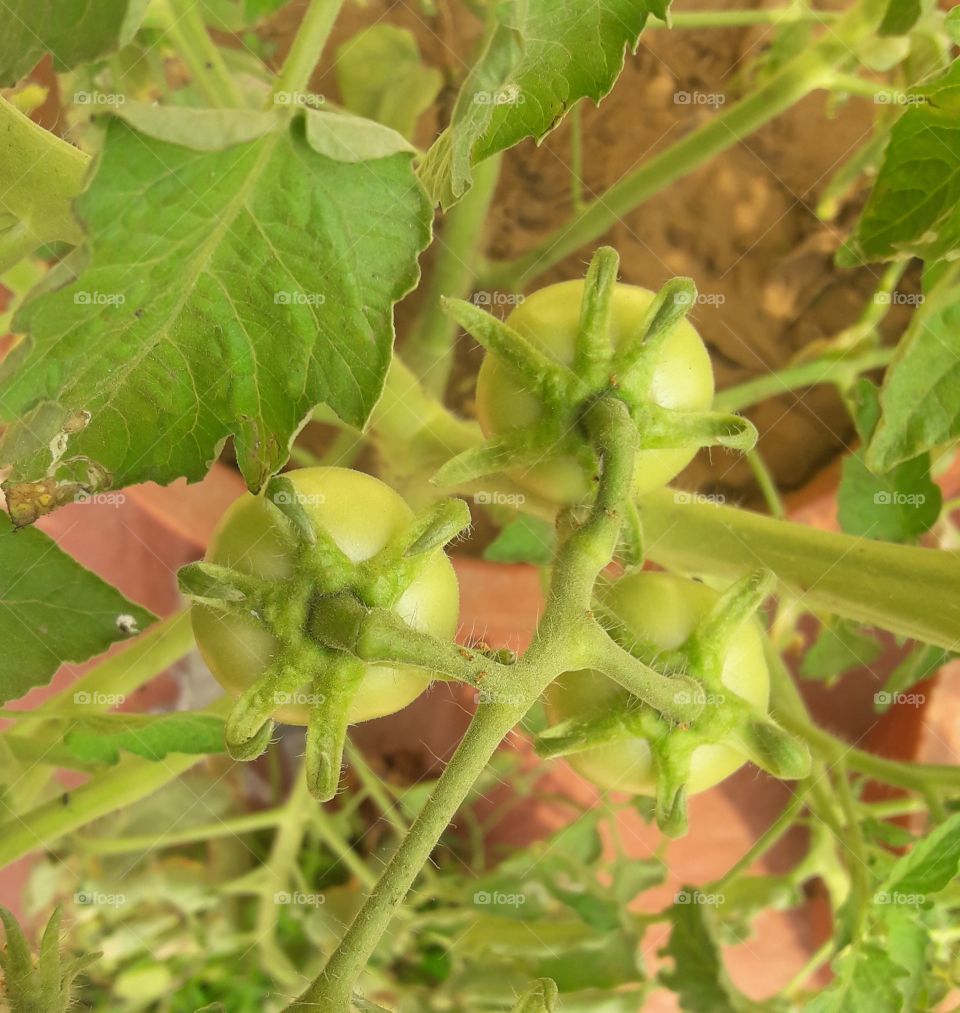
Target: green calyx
309	613
599	370
724	717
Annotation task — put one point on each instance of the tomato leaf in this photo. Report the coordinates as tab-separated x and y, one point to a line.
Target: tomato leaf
898	506
914	206
525	540
52	610
865	982
229	292
900	17
929	866
921	663
540	57
920	397
698	976
840	647
381	76
99	739
74	31
539	997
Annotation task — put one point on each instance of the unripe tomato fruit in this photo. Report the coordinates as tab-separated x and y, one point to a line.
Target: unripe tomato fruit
662	610
682	380
361	514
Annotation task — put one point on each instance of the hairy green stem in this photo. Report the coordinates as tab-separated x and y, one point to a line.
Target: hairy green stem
789	709
192	40
792	14
807	374
429	349
586	552
766	840
805	73
307	46
230	827
911	591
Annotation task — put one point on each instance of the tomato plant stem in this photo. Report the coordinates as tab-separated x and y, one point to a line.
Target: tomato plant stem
192	40
792	14
263	820
914	592
429	349
807	374
805	73
307	46
766	840
585	553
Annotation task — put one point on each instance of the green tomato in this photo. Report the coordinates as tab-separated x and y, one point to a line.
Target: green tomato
682	380
661	610
361	514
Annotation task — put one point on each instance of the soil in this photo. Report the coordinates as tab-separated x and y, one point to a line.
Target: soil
744	226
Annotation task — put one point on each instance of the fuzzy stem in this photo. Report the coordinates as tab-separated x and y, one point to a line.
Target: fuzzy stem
583	556
808	374
201	54
308	44
429	349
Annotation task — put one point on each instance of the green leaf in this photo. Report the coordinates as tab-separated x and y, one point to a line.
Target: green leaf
914	206
897	506
539	997
52	610
920	397
347	138
865	982
540	57
698	976
900	17
74	31
227	293
99	739
952	24
525	540
840	647
921	663
199	129
381	76
929	866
